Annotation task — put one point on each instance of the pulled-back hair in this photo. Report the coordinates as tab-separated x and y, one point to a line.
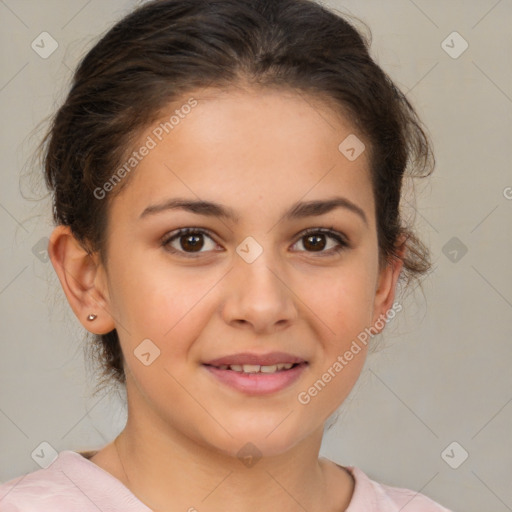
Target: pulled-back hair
166	49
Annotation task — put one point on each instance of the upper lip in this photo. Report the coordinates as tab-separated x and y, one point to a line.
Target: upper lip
268	359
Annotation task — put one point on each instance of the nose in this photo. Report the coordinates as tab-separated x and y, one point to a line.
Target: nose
259	295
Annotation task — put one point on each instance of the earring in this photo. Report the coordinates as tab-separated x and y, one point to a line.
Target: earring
92	317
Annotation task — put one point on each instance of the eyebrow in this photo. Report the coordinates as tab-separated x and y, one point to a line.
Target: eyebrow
298	211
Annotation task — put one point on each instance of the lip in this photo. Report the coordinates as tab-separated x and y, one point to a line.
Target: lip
267	359
257	383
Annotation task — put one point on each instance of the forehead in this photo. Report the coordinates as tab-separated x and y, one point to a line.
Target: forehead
239	147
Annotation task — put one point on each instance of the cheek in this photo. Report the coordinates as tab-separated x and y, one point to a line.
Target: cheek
163	304
342	299
343	308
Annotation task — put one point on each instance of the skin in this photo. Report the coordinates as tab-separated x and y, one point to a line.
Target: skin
257	152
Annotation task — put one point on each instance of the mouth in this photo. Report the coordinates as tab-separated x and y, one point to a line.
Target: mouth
255	359
256	368
254	379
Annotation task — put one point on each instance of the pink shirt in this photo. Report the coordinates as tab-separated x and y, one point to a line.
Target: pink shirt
74	483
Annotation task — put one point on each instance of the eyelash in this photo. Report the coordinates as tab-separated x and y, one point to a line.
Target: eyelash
342	242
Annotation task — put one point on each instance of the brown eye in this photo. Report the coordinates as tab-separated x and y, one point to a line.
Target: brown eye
315	240
188	241
191	242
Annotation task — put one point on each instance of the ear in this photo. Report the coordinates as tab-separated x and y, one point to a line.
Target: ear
386	285
83	280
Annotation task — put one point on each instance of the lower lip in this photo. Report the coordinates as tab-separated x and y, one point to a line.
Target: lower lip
258	383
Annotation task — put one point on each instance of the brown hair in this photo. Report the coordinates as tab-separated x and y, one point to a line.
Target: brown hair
167	48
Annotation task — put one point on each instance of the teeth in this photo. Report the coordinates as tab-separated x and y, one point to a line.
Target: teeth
256	368
251	368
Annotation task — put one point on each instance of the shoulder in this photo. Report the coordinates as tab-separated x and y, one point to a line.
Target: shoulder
49	488
373	496
70	482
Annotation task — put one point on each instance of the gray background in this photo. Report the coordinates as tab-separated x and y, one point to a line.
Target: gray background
443	371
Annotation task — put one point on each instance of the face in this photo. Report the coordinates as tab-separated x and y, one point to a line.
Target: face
268	276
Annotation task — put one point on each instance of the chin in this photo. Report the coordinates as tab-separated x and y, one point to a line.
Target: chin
250	444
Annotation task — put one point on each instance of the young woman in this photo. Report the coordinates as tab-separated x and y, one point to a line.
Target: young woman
226	179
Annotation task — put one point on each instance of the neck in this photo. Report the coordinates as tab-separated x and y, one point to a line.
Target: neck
161	472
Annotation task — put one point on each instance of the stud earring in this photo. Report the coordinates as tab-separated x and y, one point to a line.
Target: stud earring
92	317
